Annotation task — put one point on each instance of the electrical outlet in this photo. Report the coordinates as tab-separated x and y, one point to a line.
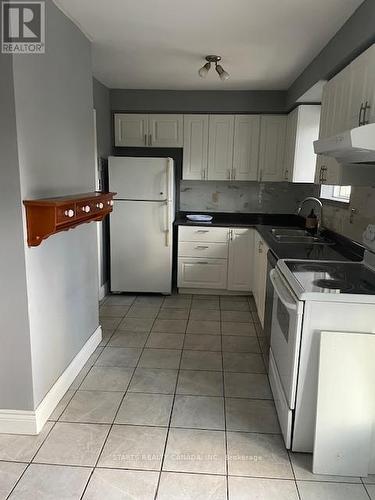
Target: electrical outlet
369	237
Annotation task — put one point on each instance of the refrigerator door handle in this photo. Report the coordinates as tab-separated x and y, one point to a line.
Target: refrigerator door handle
167	230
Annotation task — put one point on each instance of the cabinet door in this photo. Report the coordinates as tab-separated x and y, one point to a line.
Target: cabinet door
272	147
290	145
131	129
195	147
198	273
246	147
260	275
166	131
241	262
220	147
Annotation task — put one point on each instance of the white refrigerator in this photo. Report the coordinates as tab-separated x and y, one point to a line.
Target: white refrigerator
141	224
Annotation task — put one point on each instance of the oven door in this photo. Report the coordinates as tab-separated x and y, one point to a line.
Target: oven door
286	329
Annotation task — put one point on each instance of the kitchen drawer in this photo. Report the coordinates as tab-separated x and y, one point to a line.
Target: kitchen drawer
203	233
205	249
65	213
202	273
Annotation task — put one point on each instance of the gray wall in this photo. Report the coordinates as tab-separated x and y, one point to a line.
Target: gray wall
54	112
102	106
245	197
197	101
356	34
15	360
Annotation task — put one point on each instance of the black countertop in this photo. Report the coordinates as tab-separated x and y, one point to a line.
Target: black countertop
341	249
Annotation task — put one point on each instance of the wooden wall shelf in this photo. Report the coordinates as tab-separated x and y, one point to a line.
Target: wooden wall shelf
48	216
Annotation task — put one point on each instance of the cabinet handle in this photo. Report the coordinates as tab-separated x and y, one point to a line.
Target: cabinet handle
234	174
201	247
145	139
231	234
361	109
202	262
229	174
150	140
323	169
260	247
365	108
69	213
286	175
202	231
260	175
203	174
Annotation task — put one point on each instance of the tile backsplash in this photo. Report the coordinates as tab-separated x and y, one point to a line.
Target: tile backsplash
245	197
343	221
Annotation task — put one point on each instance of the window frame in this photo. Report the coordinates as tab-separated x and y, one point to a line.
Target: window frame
328	194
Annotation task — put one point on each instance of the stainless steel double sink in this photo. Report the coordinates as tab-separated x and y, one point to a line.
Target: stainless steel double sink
286	235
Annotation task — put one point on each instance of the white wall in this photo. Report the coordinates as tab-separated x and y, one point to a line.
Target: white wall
15	360
54	102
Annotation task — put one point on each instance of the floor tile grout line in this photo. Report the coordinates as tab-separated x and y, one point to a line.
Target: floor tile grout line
114	418
225	412
172	408
31	460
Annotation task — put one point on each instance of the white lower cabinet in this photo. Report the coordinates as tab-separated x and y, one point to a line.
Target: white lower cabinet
202	273
240	259
215	258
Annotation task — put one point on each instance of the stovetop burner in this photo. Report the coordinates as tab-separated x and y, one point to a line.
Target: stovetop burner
333	277
340	285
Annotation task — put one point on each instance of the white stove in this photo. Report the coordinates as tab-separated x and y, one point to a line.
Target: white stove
311	297
329	280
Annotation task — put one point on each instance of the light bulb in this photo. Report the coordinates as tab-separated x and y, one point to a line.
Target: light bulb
204	70
222	73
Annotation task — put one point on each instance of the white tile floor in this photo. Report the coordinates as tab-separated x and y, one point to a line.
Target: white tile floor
174	405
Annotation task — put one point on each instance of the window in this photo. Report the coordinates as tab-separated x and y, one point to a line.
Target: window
336	193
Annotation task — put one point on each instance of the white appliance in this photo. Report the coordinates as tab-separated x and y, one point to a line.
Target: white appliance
353	146
310	297
141	224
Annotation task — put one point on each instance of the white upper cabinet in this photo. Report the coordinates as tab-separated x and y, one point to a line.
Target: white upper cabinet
220	147
195	160
272	147
301	131
246	147
361	75
166	131
241	259
131	130
348	101
136	130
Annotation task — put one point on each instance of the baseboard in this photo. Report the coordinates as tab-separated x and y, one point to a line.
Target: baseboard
103	290
213	291
32	422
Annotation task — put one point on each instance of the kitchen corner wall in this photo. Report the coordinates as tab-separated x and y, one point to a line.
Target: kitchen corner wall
248	197
339	218
54	141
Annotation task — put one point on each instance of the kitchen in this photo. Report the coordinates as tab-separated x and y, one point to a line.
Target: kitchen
221	357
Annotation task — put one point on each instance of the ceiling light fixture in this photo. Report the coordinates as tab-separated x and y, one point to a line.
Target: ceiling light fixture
223	75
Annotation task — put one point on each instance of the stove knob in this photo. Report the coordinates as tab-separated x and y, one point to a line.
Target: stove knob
99	205
86	209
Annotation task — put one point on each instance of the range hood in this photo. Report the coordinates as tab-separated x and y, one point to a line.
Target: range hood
355	146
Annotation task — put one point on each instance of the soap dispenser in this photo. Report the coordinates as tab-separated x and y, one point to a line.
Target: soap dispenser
311	223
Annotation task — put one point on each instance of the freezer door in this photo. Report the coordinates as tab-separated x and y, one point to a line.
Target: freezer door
141	247
140	178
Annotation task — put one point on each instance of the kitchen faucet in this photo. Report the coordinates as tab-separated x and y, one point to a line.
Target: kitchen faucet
318	203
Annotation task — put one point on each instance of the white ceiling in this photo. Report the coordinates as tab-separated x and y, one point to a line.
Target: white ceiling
160	44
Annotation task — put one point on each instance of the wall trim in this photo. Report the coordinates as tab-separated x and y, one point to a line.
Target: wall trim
32	422
103	290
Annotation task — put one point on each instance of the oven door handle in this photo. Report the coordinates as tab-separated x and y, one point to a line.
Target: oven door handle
278	287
